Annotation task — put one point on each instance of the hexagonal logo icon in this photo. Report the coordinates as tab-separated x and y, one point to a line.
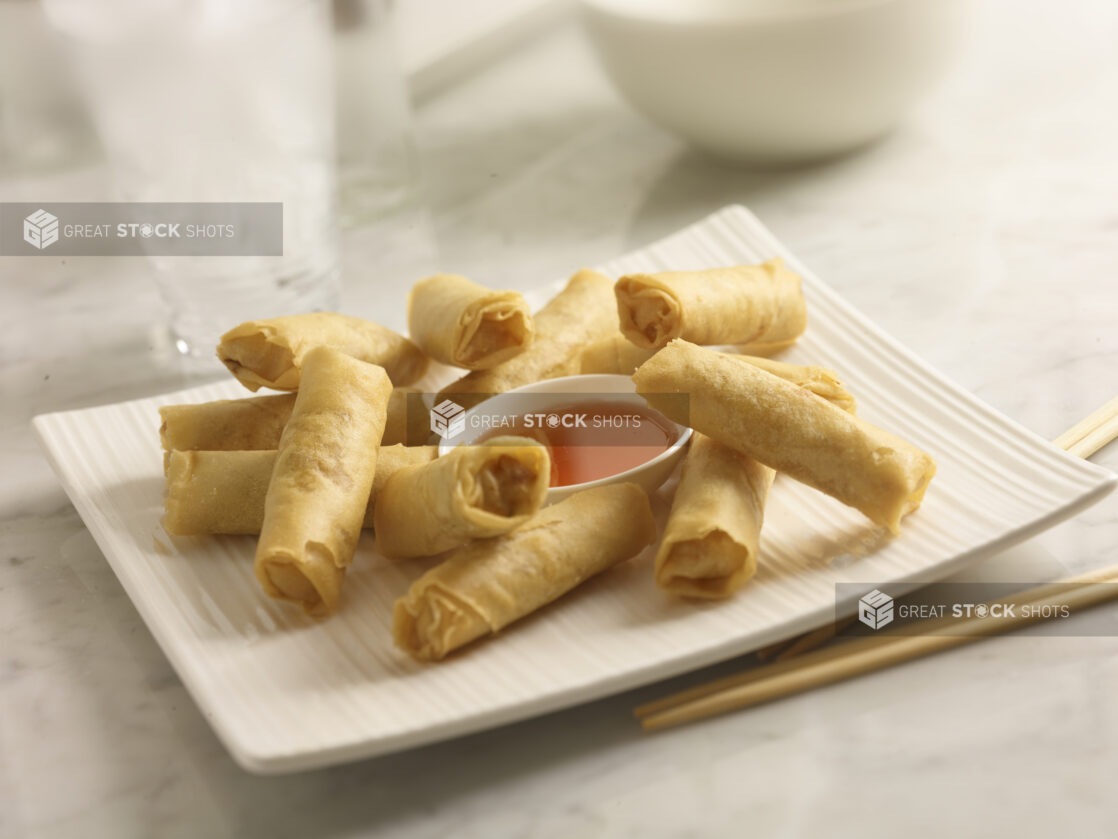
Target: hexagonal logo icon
448	418
875	610
40	229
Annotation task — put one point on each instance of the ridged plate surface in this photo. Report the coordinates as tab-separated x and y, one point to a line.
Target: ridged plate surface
285	693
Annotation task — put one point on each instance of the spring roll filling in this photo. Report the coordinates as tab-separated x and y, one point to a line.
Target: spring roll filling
444	622
705	563
260	354
291	582
505	487
652	312
498	328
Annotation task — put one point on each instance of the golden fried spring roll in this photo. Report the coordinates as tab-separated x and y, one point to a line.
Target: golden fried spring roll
227	424
461	323
822	381
618	355
270	353
741	305
322	480
790	429
396	421
490	583
253	423
472	492
713	534
614	355
212	492
583	311
216	491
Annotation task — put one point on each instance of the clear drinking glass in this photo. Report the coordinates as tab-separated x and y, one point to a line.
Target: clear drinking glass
377	158
43	126
219	101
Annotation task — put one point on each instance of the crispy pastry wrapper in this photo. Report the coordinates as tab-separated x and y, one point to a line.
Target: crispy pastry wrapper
253	423
396	421
472	492
790	429
745	304
490	583
322	480
822	381
712	538
617	355
583	311
461	323
270	353
620	356
216	492
227	424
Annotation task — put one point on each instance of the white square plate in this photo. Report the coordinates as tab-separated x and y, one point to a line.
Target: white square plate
285	693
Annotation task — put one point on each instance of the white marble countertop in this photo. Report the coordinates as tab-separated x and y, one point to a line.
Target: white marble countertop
984	233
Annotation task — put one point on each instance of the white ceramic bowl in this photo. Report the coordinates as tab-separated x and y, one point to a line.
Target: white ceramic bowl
554	393
773	81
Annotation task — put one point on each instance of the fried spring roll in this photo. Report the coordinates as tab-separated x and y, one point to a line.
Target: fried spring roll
396	421
619	356
461	323
227	424
713	534
789	429
490	583
322	480
270	353
614	354
210	492
583	311
741	305
253	423
822	381
473	492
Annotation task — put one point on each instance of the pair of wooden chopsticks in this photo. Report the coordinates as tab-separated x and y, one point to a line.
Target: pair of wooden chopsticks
795	668
1092	432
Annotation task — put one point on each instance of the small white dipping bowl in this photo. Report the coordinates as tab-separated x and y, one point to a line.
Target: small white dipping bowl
773	81
555	393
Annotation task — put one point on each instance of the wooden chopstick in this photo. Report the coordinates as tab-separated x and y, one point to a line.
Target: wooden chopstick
793	672
800	644
928	627
773	650
1092	432
811	640
833	664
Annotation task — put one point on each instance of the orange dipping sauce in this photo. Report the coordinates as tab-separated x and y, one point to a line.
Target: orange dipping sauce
593	439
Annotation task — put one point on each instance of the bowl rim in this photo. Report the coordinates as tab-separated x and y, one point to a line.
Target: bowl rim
444	447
